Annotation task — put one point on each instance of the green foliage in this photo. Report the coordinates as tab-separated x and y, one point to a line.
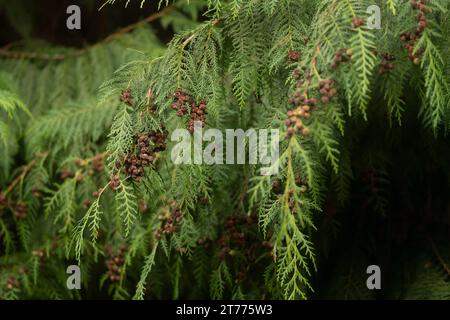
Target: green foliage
219	232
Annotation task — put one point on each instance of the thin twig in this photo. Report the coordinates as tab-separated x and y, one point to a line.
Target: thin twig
133	26
187	41
4	52
20	177
26	169
438	256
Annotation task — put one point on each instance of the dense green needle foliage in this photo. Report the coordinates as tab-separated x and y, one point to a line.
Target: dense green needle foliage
371	167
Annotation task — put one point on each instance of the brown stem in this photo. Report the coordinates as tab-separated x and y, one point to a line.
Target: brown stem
20	177
438	256
187	41
26	169
4	52
133	26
